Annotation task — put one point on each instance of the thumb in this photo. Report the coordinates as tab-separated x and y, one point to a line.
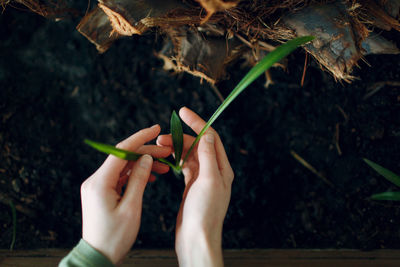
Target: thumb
207	155
137	181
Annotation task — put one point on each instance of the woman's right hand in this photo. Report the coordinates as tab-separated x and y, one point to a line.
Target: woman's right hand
208	180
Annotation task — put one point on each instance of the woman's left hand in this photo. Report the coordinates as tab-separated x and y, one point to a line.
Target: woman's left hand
111	221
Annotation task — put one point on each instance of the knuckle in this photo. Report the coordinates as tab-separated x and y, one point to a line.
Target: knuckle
84	187
231	175
215	133
140	175
87	187
206	150
197	124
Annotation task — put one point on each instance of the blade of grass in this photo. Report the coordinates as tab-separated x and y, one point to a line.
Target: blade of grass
168	163
121	153
393	196
270	59
177	137
14	222
389	175
109	149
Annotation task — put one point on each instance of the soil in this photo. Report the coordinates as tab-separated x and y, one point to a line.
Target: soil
57	90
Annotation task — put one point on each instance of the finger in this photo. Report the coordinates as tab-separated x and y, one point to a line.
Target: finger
155	151
127	169
112	166
166	140
159	167
137	182
124	179
121	183
152	178
207	157
190	170
138	139
195	122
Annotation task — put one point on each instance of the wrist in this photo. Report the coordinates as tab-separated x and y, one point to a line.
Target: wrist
198	248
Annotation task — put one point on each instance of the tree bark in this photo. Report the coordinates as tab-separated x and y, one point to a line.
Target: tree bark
96	27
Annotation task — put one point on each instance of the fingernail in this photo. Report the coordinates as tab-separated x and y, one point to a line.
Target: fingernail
182	108
154	126
146	161
210	138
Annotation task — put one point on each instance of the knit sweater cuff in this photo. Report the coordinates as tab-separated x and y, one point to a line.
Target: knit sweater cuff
84	255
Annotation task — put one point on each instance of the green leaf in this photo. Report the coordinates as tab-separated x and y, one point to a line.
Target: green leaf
394	196
389	175
169	164
109	149
121	153
270	59
177	137
14	221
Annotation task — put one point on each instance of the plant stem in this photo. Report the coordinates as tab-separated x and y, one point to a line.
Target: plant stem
14	222
270	59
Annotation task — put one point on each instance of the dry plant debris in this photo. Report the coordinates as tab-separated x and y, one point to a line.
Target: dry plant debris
96	27
203	37
212	6
51	9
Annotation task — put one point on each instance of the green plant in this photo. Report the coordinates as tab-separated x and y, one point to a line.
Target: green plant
14	222
176	126
177	140
120	153
391	177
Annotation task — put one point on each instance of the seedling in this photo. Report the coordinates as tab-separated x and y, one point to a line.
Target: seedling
177	140
14	222
176	126
391	177
121	153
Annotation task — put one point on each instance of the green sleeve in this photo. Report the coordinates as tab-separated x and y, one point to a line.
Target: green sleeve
83	255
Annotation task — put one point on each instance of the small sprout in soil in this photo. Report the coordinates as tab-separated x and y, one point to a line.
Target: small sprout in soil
176	127
14	222
390	176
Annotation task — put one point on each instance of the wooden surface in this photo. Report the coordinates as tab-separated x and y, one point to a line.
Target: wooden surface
233	258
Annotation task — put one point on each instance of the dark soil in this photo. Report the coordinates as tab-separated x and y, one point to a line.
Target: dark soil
56	90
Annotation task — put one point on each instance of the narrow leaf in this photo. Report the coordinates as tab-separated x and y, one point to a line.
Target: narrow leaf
169	164
389	175
14	222
270	59
394	196
177	137
121	153
109	149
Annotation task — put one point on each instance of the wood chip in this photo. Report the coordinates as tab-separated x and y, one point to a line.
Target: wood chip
96	27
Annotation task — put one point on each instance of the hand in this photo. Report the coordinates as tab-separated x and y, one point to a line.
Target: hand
110	220
208	180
